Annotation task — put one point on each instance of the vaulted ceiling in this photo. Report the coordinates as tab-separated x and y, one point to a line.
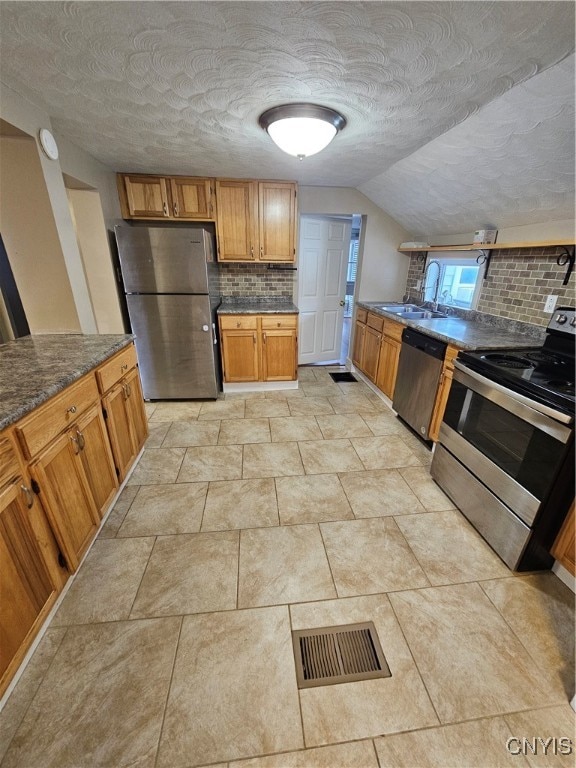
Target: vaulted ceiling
459	113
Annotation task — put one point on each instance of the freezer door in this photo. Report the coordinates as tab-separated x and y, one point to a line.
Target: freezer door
163	259
175	346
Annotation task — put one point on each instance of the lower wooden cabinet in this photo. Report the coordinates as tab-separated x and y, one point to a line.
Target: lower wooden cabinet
388	365
63	486
28	592
443	391
96	456
57	480
564	549
126	421
259	347
279	355
358	343
371	352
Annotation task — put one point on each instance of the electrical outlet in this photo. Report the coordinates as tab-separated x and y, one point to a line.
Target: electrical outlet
550	304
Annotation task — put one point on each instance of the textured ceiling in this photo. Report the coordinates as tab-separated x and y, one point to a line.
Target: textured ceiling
178	87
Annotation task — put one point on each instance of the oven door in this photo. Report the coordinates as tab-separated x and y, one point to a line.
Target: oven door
511	444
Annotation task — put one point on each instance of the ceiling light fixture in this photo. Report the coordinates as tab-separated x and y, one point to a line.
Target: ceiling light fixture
301	129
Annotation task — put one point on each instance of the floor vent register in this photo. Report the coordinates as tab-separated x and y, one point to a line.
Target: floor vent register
343	654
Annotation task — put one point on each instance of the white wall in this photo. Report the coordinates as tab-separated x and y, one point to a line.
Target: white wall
92	237
78	164
31	238
383	271
527	233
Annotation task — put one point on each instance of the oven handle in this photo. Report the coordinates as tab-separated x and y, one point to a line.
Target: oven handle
537	414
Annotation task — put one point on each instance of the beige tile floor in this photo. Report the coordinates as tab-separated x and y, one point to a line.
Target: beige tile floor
262	513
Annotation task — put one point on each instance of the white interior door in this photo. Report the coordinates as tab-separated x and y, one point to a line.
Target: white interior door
322	267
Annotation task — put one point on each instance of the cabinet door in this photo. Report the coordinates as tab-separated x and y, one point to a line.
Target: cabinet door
237	220
27	590
96	456
136	410
565	545
66	496
191	198
240	355
276	220
440	404
279	355
358	344
371	352
147	196
388	365
120	431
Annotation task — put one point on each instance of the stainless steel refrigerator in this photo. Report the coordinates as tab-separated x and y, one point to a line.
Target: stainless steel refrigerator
170	279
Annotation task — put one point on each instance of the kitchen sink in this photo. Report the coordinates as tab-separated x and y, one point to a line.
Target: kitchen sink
410	311
421	314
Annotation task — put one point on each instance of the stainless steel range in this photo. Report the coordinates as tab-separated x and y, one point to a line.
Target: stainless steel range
506	450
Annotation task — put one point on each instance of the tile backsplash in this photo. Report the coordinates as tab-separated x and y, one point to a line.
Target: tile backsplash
256	280
517	284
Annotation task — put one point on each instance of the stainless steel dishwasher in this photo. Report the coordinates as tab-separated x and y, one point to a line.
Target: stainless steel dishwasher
419	369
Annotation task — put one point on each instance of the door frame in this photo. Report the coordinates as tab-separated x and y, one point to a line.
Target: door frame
354	218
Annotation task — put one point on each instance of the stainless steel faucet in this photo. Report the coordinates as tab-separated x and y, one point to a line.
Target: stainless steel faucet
436	287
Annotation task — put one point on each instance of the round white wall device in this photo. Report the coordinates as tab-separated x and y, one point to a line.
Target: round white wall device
48	144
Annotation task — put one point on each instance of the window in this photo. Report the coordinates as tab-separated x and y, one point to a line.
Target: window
459	279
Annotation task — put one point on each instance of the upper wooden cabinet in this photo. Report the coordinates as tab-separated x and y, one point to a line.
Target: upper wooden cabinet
256	220
166	197
237	223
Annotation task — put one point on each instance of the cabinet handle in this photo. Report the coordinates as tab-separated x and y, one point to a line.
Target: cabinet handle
72	409
124	367
28	495
76	445
254	338
238	325
81	440
279	324
176	211
261	251
264	338
252	251
165	209
127	391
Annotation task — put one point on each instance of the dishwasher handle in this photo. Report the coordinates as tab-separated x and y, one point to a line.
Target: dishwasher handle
424	343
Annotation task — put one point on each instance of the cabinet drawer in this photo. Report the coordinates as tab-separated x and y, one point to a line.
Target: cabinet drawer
239	322
375	321
112	370
47	421
9	465
361	315
279	321
393	330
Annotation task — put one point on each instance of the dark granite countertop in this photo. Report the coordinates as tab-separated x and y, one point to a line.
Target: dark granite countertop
483	332
257	306
34	368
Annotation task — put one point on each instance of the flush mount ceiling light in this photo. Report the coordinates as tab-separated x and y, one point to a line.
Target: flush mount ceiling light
301	129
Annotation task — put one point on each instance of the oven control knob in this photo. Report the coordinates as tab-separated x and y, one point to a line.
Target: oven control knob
573	322
561	319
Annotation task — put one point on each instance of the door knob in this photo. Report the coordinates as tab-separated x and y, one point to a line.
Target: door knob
342	303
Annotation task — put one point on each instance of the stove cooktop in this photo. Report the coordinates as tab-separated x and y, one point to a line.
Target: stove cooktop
544	373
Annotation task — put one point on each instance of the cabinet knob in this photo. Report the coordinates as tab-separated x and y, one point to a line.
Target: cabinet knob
28	495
